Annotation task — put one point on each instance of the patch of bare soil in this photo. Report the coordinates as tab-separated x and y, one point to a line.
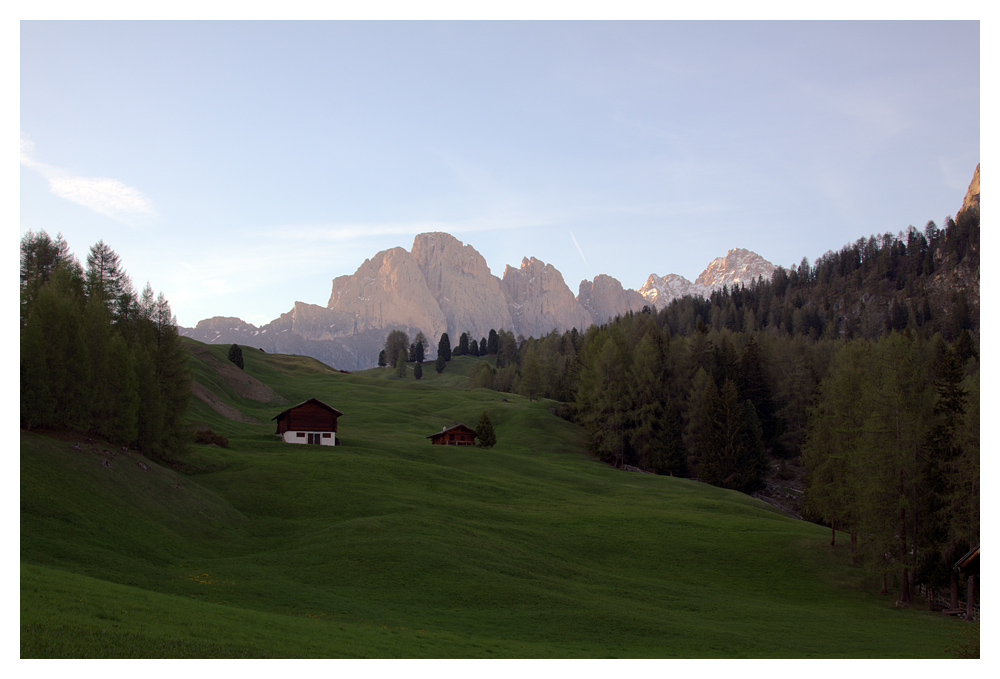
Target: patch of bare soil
243	384
220	406
785	487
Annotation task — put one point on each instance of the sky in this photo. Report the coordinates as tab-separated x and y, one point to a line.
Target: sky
238	167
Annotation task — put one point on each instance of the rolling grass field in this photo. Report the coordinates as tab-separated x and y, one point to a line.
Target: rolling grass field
387	546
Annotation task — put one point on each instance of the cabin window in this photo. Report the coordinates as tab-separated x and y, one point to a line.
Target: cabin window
326	436
300	434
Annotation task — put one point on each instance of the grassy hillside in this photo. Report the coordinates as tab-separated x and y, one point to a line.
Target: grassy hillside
389	547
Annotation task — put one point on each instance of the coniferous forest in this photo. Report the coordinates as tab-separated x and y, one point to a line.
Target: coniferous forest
96	357
862	368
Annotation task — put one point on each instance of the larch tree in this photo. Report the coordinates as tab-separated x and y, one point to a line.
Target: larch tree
485	433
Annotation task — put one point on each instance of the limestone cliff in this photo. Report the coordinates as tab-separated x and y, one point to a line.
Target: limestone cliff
388	291
460	281
605	298
539	300
972	195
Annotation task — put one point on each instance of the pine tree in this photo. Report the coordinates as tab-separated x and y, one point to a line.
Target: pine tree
531	376
418	371
396	341
107	280
444	347
697	419
603	396
485	433
401	363
655	436
483	377
40	255
753	385
439	364
236	355
732	452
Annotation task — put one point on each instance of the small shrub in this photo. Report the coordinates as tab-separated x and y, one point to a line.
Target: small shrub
209	437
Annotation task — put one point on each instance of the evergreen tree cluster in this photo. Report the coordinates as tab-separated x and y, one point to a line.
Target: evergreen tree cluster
892	453
236	355
863	367
865	290
95	357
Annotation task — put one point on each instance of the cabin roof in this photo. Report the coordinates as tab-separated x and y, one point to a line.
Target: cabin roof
310	400
968	559
460	427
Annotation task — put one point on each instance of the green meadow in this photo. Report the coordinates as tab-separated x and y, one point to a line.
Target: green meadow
389	547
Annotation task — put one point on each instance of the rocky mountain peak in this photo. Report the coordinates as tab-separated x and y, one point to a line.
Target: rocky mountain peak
605	298
388	291
738	266
443	285
539	300
972	195
460	281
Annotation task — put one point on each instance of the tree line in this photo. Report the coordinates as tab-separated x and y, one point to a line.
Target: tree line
844	366
95	356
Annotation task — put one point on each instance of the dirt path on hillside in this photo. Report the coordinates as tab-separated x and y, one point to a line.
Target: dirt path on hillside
240	382
220	406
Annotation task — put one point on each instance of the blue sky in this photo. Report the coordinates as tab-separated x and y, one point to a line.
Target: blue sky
240	167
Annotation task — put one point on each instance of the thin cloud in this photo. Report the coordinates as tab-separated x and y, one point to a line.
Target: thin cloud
103	195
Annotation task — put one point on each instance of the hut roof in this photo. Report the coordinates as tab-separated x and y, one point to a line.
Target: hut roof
970	559
310	400
457	427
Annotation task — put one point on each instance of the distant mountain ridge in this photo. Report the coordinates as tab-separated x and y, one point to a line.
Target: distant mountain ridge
442	285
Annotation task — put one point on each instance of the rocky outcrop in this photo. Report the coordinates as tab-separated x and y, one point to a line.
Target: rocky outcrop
972	195
661	291
539	300
387	292
460	281
222	329
738	266
605	298
445	286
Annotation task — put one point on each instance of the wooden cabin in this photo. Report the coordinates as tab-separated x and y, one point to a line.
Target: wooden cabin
459	435
311	421
969	564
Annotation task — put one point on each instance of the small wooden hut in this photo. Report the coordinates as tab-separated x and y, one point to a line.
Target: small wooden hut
459	435
311	421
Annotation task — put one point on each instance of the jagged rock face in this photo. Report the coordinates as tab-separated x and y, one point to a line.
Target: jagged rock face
605	298
738	266
539	300
445	286
662	291
219	329
314	322
388	291
460	281
972	195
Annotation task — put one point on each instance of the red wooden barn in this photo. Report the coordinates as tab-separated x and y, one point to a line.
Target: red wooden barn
459	435
311	421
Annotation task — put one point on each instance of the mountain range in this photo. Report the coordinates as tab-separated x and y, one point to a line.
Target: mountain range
442	285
